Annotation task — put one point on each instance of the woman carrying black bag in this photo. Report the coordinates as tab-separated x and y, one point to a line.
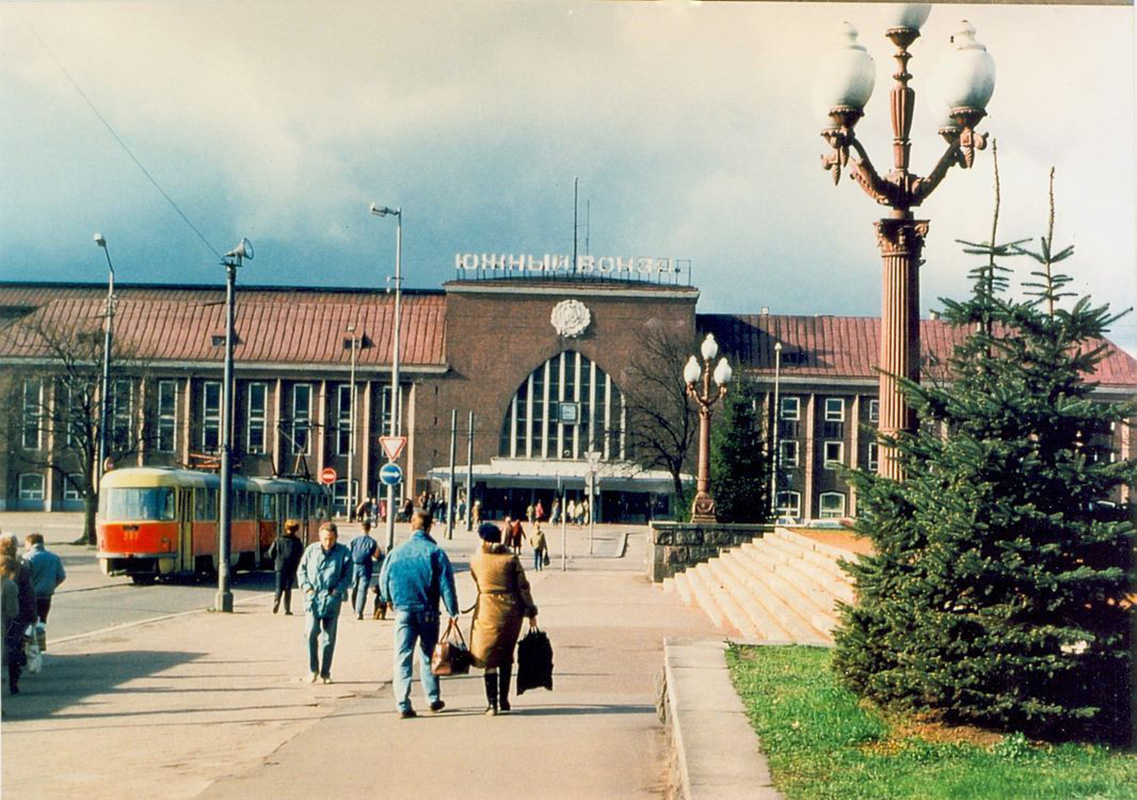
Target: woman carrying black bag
503	602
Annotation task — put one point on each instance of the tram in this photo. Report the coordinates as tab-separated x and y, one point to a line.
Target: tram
157	522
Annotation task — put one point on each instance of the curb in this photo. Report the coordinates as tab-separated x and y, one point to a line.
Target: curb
714	751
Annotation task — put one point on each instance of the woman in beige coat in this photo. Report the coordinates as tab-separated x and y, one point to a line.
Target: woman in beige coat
503	601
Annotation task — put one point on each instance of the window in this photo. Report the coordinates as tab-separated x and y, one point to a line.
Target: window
205	505
77	415
385	406
874	411
122	413
211	416
832	505
31	486
874	457
343	420
789	453
33	414
834	409
789	504
129	504
70	493
834	454
255	419
301	418
791	408
567	407
167	416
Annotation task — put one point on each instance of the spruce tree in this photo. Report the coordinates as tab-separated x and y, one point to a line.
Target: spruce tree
997	594
740	476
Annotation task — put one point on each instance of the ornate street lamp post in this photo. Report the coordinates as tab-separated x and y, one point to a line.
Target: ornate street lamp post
845	83
703	509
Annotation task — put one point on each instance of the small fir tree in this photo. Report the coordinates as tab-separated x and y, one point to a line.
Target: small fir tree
740	474
997	594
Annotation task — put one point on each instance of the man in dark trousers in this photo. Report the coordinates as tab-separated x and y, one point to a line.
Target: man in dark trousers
364	552
415	576
285	552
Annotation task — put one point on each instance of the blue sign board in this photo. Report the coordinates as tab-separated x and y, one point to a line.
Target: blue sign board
390	474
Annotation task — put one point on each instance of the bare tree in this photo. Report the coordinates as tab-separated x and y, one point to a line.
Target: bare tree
57	394
661	424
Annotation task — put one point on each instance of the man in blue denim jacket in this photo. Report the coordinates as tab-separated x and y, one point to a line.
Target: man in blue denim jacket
325	575
415	576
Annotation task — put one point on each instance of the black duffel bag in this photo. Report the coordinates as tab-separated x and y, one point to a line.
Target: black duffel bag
534	661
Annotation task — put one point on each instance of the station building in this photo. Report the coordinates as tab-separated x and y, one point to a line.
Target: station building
543	363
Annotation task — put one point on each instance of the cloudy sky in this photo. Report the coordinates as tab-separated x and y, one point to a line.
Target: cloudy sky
689	126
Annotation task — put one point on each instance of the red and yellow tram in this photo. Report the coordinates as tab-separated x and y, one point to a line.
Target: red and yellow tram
155	522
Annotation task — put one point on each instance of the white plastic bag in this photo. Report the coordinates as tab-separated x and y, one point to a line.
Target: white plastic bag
35	658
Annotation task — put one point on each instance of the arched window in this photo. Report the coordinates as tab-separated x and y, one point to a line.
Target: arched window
567	407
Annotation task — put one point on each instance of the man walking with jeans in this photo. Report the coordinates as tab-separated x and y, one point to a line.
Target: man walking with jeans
415	576
325	575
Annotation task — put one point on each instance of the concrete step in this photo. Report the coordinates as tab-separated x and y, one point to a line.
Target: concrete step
805	542
799	548
719	580
683	588
804	573
746	590
704	597
813	606
791	611
819	585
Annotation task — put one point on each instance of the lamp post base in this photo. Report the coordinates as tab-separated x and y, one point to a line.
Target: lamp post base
223	602
703	509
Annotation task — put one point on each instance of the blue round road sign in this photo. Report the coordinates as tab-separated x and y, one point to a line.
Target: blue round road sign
391	474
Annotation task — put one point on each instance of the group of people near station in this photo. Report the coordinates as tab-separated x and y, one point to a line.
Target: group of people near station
28	586
416	581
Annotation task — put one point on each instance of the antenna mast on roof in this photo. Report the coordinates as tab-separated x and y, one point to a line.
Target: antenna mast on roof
575	207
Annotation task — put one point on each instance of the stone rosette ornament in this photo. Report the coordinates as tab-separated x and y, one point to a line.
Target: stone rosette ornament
570	318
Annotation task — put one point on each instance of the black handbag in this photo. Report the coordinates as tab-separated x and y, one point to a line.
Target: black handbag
451	656
534	661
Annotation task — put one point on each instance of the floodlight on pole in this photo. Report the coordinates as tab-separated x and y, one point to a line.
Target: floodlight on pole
108	341
231	261
397	213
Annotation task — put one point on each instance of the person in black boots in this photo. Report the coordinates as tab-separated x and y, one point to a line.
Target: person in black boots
503	602
285	552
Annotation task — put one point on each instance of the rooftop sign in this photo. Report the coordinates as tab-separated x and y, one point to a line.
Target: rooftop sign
641	267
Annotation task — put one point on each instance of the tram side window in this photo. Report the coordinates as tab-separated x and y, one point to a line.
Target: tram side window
205	505
137	504
267	507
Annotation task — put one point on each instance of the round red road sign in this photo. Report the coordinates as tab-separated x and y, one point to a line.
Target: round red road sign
328	475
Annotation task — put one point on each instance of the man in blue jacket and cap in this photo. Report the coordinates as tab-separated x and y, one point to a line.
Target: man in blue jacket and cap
325	575
415	577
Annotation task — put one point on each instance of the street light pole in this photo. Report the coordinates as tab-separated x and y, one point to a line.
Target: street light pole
775	453
108	340
703	508
224	599
351	426
397	213
845	84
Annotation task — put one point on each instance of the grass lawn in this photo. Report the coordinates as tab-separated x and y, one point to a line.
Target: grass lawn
821	743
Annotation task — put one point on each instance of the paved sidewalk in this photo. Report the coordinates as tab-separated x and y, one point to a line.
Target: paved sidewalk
212	706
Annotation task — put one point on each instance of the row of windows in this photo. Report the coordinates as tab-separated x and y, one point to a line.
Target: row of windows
833	409
255	419
831	505
833	454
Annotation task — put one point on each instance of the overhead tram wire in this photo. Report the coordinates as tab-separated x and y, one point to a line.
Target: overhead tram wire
118	138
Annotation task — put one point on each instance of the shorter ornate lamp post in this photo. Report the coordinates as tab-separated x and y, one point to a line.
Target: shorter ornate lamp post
703	509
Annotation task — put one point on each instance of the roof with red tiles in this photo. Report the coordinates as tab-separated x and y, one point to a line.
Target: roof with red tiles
849	347
274	325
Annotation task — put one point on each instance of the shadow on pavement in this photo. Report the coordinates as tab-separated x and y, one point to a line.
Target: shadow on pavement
67	680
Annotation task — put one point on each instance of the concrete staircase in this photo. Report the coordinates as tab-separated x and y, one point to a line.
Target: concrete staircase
782	587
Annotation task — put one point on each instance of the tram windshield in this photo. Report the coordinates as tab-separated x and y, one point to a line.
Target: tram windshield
137	504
